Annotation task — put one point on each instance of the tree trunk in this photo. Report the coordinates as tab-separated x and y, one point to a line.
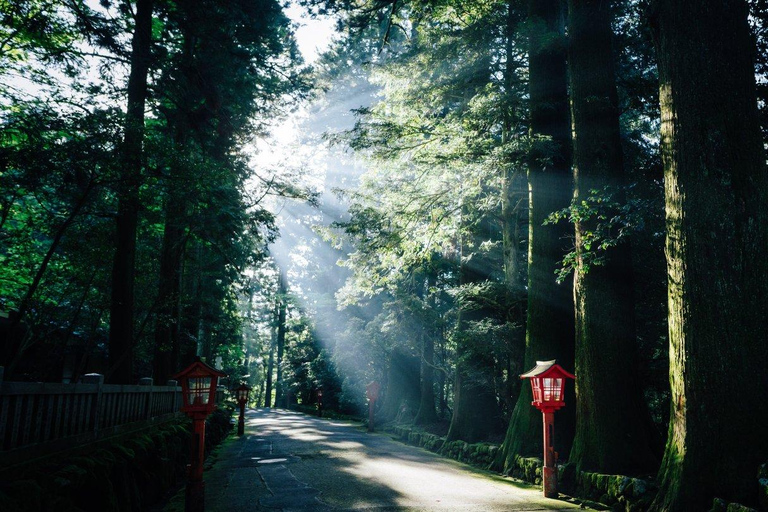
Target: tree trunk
550	323
716	190
192	317
511	196
282	298
442	382
402	390
270	370
612	421
167	326
124	264
426	413
475	410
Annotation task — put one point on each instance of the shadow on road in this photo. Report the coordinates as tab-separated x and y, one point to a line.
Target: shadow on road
292	461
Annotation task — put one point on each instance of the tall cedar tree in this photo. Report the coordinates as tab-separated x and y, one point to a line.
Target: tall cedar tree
121	321
716	190
168	317
282	291
612	424
271	364
426	413
550	326
475	411
401	385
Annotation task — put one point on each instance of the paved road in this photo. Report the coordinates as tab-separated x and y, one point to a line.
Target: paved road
289	461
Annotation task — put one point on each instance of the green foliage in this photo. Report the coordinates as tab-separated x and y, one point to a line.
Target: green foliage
612	221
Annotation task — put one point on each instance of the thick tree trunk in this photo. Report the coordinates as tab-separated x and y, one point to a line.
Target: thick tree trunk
613	432
402	389
427	412
429	332
270	372
167	326
550	323
716	190
475	410
442	381
282	298
124	264
192	317
512	195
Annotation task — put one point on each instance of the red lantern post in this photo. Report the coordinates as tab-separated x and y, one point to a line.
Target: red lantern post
372	392
242	399
548	386
320	403
198	385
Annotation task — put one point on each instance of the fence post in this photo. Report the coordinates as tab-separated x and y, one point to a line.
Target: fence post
176	396
147	381
98	379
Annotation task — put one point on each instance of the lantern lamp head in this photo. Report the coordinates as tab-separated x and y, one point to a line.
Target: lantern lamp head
242	393
548	385
198	384
320	393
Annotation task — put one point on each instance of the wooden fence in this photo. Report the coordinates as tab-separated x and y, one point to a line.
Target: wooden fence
34	413
41	418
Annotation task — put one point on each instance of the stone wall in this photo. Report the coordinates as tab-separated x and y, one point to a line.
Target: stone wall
617	492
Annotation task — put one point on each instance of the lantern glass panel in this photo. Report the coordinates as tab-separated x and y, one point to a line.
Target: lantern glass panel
536	388
553	390
199	390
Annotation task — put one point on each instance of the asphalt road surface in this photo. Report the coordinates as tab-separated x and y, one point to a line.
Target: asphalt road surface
289	461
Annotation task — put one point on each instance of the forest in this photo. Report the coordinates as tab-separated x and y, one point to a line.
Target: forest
476	185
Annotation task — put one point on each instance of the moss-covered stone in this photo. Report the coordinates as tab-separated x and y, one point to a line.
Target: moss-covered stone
617	492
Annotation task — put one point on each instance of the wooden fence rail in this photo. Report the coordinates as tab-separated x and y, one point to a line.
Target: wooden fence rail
38	419
39	413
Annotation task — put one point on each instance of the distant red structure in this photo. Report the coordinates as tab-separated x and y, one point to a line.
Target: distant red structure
372	392
242	398
548	386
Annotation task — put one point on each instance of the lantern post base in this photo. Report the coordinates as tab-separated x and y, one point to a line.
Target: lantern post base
549	471
549	482
241	421
195	497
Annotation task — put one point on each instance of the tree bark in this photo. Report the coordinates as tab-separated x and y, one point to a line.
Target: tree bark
270	372
282	298
511	195
192	317
613	432
167	325
402	387
426	413
716	190
475	410
124	263
550	322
